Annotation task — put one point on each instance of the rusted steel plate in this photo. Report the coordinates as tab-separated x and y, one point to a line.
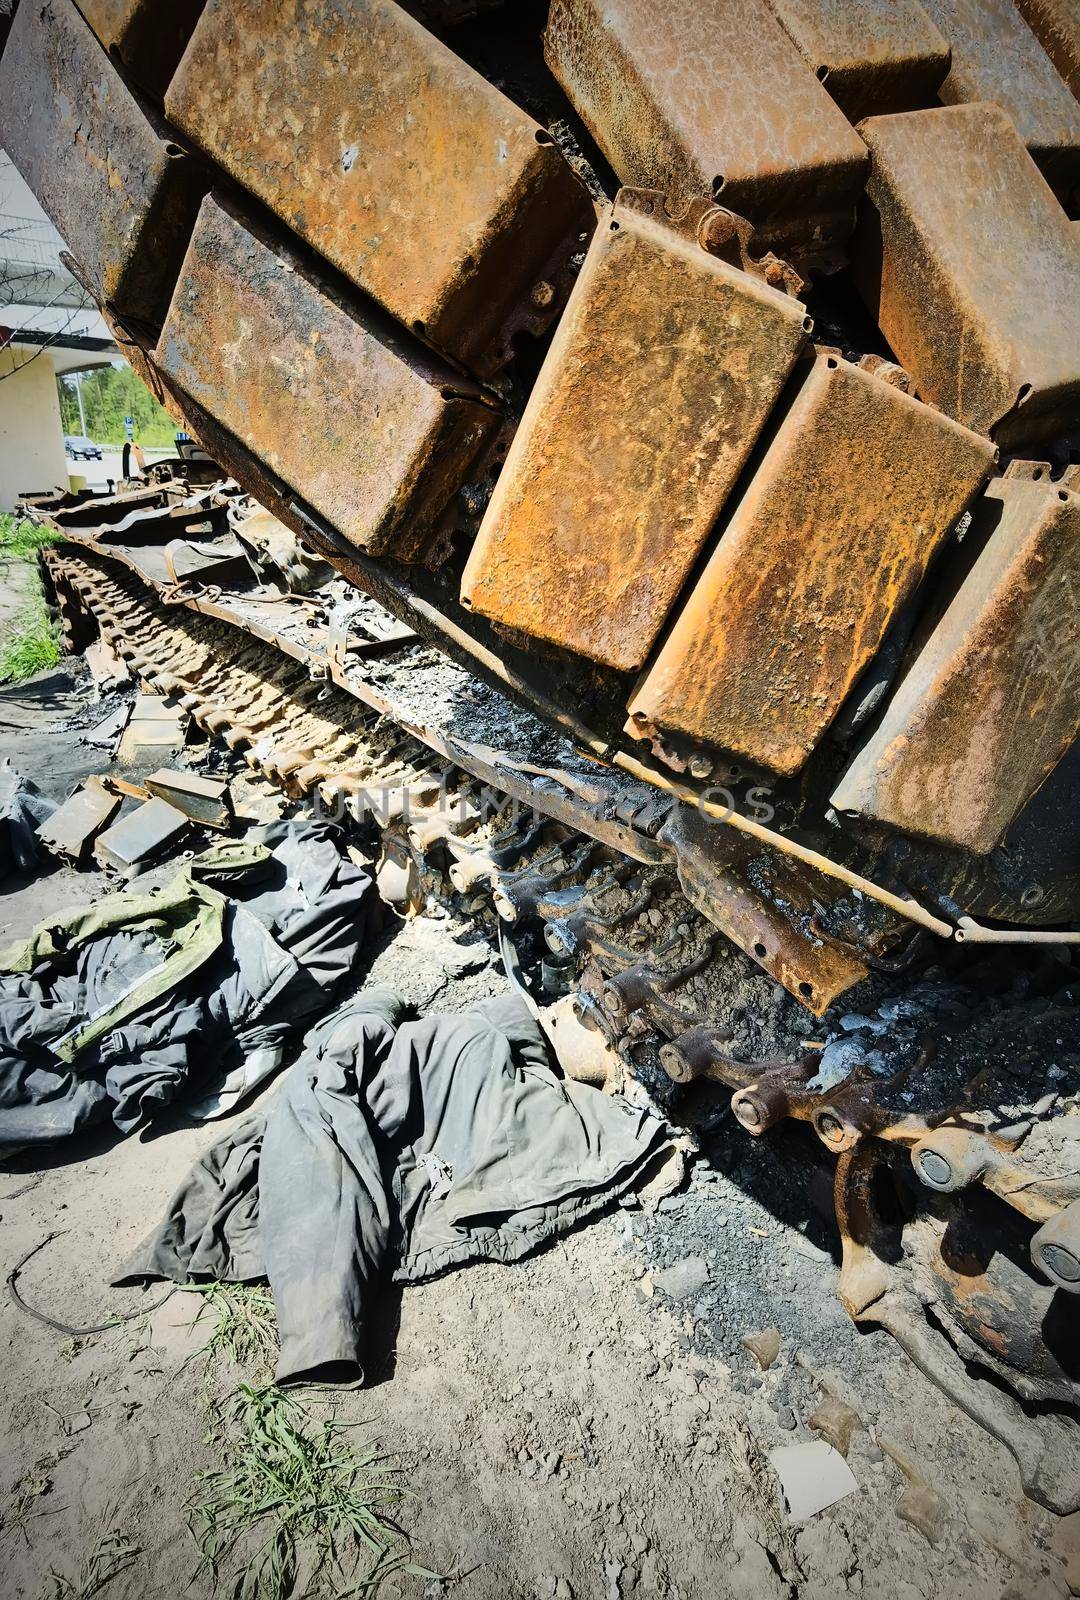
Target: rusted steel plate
72	829
993	701
393	159
123	198
137	840
366	426
144	36
662	372
995	56
972	270
207	801
879	56
1056	25
710	97
834	532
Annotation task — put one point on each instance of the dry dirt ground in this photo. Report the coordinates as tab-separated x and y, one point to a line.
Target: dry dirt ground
583	1424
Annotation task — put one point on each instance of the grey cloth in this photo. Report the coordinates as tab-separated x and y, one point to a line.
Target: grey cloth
401	1148
288	930
23	808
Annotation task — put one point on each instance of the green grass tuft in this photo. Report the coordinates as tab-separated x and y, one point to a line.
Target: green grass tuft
33	645
113	1553
295	1505
21	539
245	1326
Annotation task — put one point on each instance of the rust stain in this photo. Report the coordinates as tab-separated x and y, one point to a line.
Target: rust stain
1056	25
972	270
993	701
367	427
876	57
122	197
662	372
711	99
996	56
834	532
393	159
766	904
146	37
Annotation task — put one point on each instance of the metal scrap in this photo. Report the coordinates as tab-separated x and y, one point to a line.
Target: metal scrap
408	430
119	191
996	57
971	269
881	56
1056	25
206	801
146	38
711	99
661	375
141	838
393	159
74	827
837	527
992	703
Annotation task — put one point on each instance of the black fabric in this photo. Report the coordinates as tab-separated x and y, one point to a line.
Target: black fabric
290	930
402	1148
23	808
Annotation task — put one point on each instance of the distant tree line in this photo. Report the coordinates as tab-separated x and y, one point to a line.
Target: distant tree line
109	394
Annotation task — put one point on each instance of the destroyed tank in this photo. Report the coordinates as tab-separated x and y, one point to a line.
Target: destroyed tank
641	441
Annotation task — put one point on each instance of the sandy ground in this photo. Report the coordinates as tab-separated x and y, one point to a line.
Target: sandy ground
584	1424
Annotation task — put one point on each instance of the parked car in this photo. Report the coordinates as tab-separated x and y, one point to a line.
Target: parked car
80	448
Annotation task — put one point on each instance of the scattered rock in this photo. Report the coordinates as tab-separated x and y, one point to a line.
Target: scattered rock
764	1346
669	1176
836	1422
787	1419
682	1279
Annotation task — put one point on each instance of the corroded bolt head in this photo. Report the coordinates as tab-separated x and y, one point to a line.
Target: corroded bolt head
674	1065
934	1169
716	230
830	1127
543	294
1060	1262
747	1111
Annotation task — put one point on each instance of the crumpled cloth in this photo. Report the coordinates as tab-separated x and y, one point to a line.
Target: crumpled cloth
396	1148
23	808
120	1008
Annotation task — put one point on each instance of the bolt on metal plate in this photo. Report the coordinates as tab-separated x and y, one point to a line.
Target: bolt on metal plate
122	196
369	428
660	376
876	57
392	158
972	270
710	97
835	530
992	703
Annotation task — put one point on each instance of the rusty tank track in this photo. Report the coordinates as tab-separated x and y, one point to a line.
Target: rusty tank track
712	513
954	1124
